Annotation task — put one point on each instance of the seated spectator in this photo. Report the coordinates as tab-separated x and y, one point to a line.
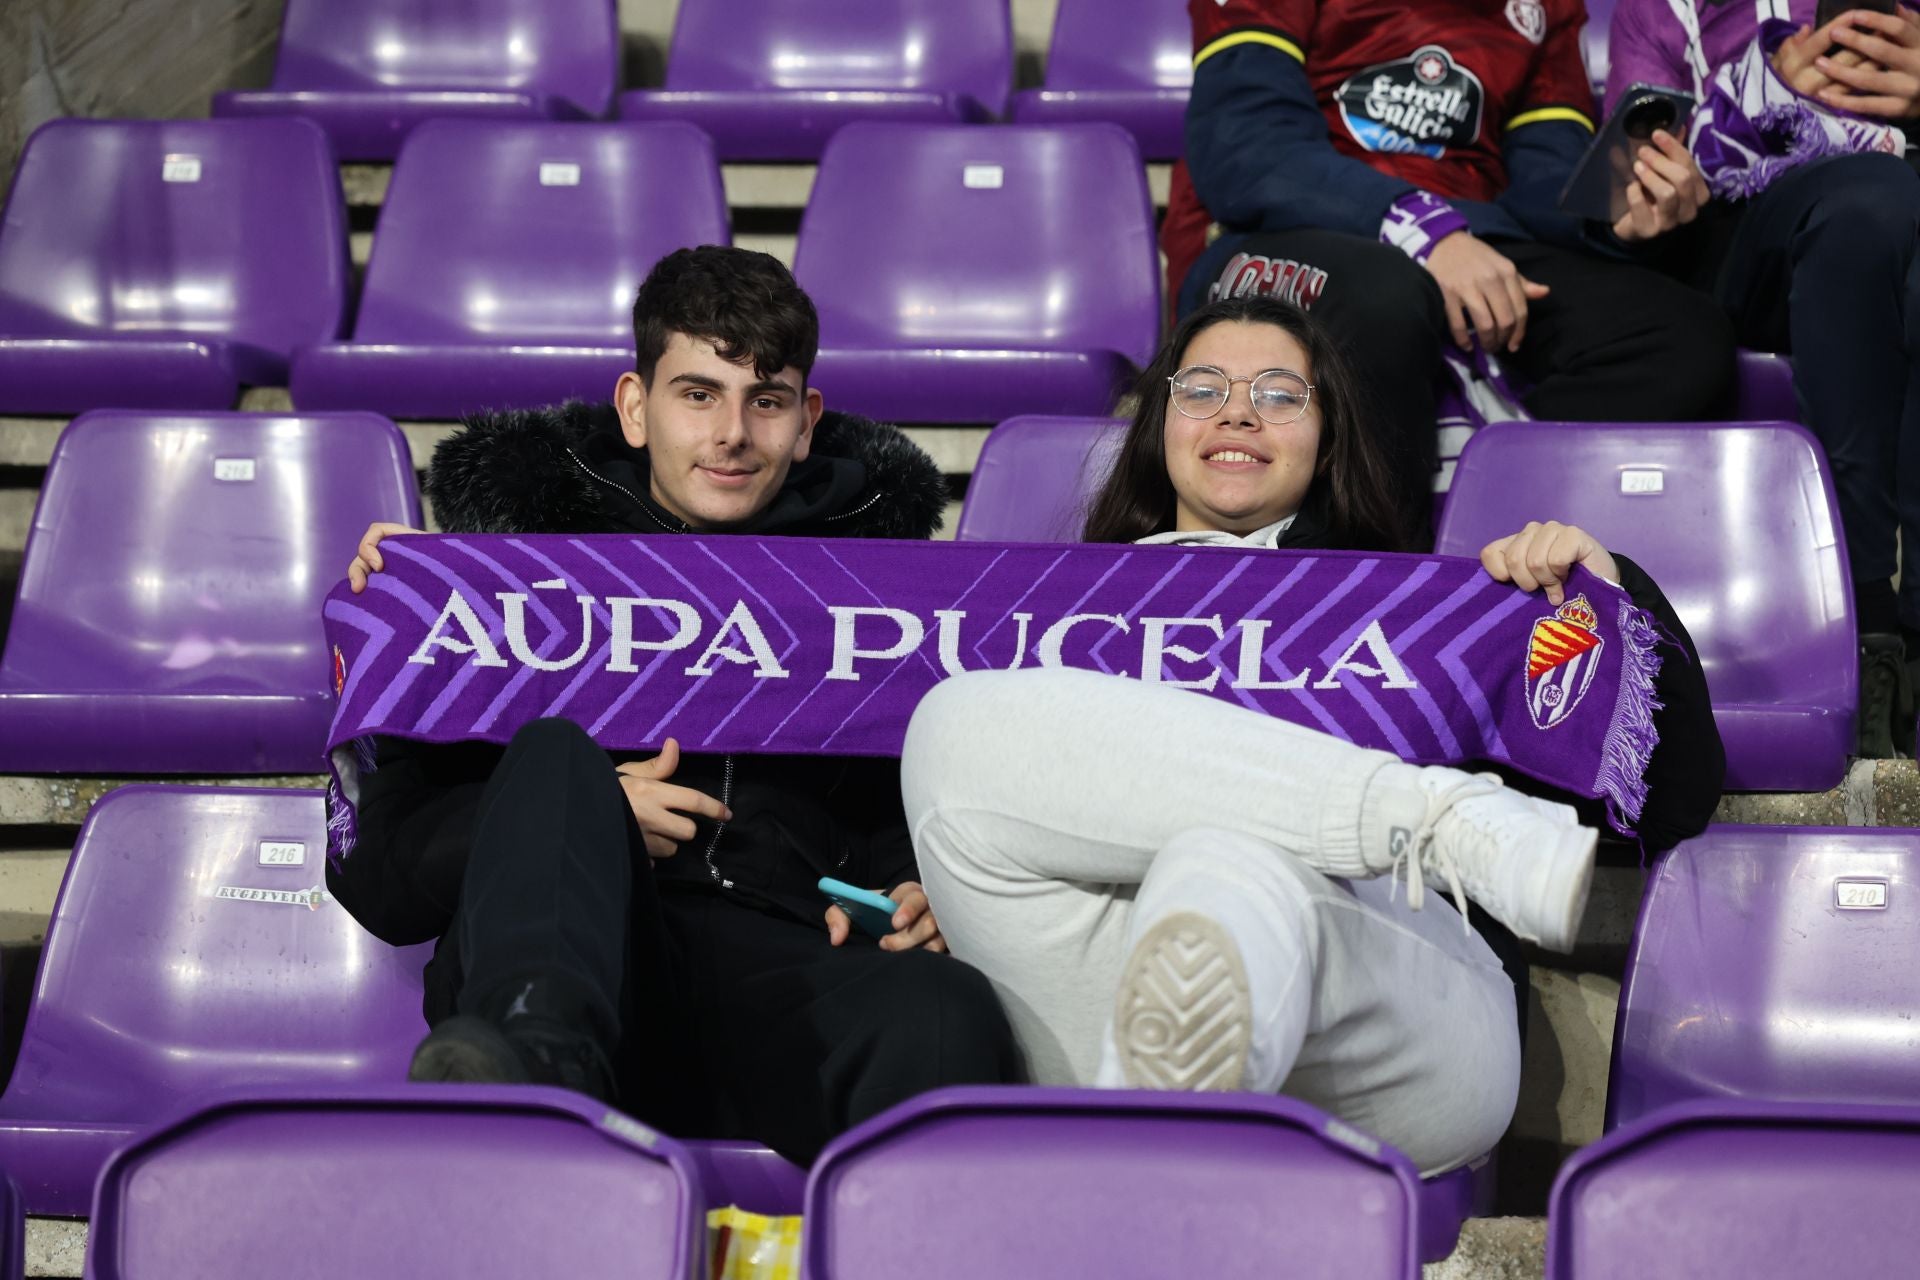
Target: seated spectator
1394	168
1809	245
1173	891
648	931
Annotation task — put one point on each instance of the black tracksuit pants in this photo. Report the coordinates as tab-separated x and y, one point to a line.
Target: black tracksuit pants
721	1020
1613	342
1822	264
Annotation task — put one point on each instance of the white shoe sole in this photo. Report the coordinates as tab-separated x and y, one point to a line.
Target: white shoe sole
1183	1017
1569	880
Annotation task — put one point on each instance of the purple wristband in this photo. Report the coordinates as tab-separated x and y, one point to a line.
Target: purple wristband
1418	221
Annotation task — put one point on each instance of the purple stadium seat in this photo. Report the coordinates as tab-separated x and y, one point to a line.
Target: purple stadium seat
1129	62
743	1173
193	947
1741	1190
967	275
1774	962
1081	1182
1593	43
504	269
491	1183
1737	524
168	619
370	70
161	264
1034	478
771	80
1763	388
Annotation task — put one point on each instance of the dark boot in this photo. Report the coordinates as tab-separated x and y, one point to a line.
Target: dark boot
1886	698
469	1050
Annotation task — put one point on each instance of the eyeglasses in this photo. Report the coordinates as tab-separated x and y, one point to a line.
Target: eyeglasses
1279	396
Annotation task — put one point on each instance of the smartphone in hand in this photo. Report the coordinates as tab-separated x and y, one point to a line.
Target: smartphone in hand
1598	187
871	913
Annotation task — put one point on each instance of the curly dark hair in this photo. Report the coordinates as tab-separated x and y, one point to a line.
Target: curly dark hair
1353	490
745	303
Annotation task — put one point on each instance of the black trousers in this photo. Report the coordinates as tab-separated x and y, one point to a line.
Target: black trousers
1613	342
721	1020
1822	264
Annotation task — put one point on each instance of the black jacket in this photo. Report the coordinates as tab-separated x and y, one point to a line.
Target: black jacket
568	469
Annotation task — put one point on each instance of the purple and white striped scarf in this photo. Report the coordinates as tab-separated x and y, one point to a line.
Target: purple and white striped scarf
789	645
1752	127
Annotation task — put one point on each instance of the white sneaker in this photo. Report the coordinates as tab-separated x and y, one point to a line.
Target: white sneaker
1527	861
1183	1017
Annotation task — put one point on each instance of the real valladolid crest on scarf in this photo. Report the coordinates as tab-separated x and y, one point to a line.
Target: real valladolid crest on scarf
792	645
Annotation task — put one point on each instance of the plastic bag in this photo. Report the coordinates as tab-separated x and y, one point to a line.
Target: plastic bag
753	1246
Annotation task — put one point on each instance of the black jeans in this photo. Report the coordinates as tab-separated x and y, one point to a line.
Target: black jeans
721	1020
1613	342
1822	264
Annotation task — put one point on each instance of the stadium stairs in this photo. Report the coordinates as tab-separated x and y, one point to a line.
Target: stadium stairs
1573	998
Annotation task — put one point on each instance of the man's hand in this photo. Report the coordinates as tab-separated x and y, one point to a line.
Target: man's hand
367	560
1484	292
1668	190
1877	72
660	807
1542	555
913	924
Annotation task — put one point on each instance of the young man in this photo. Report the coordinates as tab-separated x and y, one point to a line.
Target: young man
648	930
1395	168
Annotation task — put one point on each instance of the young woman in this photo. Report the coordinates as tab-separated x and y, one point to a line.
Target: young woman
1169	891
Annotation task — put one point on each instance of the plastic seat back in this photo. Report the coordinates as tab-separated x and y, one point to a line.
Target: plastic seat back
962	47
566	48
1773	962
492	1182
1039	238
186	556
1737	524
1063	1182
194	948
1035	477
224	231
536	234
1729	1190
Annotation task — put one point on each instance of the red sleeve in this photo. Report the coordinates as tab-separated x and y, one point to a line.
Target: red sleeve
1284	24
1559	80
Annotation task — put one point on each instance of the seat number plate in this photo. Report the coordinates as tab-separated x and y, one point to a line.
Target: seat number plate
1860	895
983	177
180	169
233	469
555	174
283	853
1643	481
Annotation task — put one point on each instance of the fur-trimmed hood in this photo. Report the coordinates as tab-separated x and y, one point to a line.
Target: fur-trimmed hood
566	468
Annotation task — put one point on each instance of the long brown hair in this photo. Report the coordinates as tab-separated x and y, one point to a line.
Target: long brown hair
1352	494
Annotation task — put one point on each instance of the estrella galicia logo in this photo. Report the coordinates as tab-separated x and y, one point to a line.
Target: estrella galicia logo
1418	105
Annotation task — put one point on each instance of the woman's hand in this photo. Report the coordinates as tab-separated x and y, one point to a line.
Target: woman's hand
1542	555
1877	70
913	924
1668	190
1484	292
660	807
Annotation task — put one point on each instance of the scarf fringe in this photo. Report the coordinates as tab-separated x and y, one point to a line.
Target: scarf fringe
1632	737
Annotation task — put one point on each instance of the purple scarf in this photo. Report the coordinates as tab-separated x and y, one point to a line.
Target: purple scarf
789	645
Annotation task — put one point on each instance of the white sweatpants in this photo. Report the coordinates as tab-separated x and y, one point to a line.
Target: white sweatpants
1057	814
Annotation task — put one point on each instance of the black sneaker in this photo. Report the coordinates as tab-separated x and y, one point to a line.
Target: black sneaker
1886	698
470	1050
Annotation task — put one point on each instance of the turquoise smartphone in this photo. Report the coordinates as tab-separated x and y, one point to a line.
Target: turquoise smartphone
870	912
